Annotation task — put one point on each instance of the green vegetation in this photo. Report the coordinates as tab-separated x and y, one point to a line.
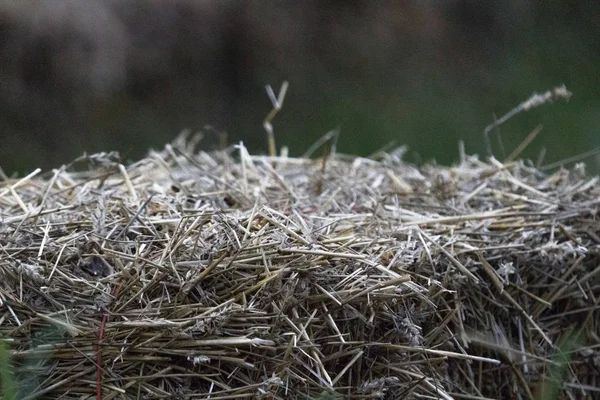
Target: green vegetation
7	377
551	387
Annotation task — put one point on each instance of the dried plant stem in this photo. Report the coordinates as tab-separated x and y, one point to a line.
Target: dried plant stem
534	101
277	105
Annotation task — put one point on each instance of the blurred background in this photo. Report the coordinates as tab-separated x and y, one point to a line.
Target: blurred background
100	75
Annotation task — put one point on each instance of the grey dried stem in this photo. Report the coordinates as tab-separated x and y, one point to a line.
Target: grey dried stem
536	100
277	105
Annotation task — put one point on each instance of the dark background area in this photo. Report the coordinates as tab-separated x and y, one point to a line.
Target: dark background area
99	75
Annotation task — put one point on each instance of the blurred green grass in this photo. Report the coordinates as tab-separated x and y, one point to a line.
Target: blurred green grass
425	90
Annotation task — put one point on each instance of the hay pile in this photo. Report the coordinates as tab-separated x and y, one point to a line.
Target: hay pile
227	276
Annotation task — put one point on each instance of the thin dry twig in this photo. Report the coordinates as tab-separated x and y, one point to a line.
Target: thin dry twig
277	105
536	100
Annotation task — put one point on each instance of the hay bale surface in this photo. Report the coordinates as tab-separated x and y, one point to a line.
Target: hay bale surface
223	275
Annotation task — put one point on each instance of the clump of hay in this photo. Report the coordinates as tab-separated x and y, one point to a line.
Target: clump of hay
224	275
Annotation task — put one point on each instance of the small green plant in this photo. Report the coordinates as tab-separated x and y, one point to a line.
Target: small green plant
551	387
24	380
7	376
325	396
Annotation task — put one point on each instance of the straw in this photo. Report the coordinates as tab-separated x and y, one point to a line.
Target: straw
198	274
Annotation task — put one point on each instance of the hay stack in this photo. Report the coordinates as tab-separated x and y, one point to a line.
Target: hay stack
228	276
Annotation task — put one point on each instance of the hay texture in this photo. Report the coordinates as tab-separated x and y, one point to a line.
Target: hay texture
226	276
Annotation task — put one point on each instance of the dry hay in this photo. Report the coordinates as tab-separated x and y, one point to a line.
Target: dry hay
223	275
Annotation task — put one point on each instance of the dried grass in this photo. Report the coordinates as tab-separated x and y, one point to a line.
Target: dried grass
224	275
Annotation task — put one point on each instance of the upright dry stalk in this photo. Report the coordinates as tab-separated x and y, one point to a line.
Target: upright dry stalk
277	104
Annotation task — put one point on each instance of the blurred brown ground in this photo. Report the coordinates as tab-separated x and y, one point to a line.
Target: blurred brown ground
128	75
